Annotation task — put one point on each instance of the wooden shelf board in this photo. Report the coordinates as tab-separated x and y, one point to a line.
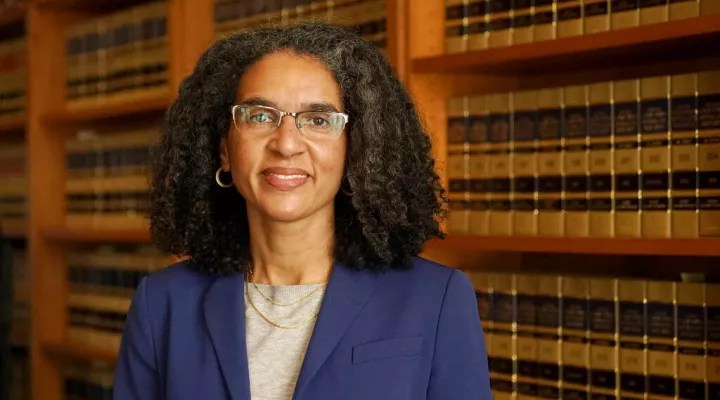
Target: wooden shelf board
109	110
87	5
617	246
77	352
98	235
12	124
13	14
685	39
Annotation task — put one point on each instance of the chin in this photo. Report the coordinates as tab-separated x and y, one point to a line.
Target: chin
285	210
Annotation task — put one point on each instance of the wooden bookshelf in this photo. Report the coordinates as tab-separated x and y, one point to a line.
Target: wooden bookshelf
12	124
103	111
97	235
75	352
13	14
683	39
588	246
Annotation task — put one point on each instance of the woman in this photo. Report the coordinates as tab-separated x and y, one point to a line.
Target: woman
294	174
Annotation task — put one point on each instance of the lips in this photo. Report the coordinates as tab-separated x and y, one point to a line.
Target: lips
285	178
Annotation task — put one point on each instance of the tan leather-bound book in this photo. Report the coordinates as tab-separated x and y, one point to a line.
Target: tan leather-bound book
479	165
603	334
633	333
684	156
456	38
477	24
655	156
502	369
550	163
522	29
500	164
624	14
682	9
709	7
457	168
526	348
524	174
692	324
549	339
596	16
569	18
654	11
576	162
500	21
544	20
709	151
626	153
600	126
575	348
661	340
712	302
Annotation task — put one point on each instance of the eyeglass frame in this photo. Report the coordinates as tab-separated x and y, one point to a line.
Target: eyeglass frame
295	115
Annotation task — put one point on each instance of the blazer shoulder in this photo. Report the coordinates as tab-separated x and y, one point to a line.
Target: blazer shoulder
433	272
175	282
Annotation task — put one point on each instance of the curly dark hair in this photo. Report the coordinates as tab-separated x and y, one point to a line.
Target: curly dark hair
397	201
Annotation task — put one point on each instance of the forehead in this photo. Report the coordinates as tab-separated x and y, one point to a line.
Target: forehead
289	79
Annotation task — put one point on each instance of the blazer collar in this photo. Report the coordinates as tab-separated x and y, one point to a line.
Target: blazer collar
347	292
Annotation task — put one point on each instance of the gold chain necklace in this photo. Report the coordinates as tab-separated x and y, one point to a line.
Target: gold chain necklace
252	279
247	289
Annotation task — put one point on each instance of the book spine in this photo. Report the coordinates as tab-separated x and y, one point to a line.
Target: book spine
691	328
500	164
654	11
569	18
603	338
522	29
543	20
661	340
626	154
526	346
524	174
478	166
575	349
633	333
709	152
549	339
596	16
709	7
624	14
500	23
550	163
502	370
457	168
684	156
104	36
655	156
600	126
682	9
482	284
478	26
576	161
712	302
456	26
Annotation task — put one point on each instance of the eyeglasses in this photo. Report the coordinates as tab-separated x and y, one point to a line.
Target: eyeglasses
264	120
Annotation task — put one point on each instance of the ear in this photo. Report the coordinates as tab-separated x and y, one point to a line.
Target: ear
224	154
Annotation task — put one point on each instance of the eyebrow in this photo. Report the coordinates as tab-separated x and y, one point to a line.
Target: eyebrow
320	106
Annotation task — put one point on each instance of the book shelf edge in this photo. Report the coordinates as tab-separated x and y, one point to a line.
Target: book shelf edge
109	110
98	235
76	352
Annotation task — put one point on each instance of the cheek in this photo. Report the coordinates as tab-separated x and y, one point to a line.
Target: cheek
330	158
245	155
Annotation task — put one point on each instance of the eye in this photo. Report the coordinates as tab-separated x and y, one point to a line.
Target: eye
261	117
319	121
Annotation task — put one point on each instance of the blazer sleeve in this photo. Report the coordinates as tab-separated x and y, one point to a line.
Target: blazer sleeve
136	373
460	365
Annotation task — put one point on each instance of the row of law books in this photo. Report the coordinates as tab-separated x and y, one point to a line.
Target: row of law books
12	184
629	158
88	381
102	281
481	24
20	318
366	17
120	57
19	373
12	77
107	178
581	337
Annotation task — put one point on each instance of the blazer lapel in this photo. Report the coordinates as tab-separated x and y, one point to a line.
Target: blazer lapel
347	292
224	308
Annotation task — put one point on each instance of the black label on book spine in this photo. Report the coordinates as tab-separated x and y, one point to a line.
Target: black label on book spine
600	183
626	119
526	310
479	185
683	116
500	6
682	1
549	124
572	394
458	30
684	203
632	382
524	205
595	9
500	185
627	183
527	389
576	375
569	13
455	12
603	379
575	313
655	203
576	184
458	185
655	181
600	204
660	320
548	311
500	24
544	17
576	205
684	180
690	323
691	390
479	205
662	385
548	392
709	180
549	184
525	126
709	112
477	8
629	204
525	185
522	5
503	308
550	205
600	121
602	316
478	27
575	122
624	5
713	324
499	128
502	365
632	318
522	21
652	3
501	385
550	372
654	116
709	203
500	205
478	129
457	130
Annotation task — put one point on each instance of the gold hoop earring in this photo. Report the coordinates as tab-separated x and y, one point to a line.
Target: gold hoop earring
219	182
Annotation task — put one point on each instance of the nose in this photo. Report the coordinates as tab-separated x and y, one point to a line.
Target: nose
287	140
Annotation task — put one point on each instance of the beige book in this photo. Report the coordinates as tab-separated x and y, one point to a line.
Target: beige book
478	33
522	29
684	156
576	163
626	158
457	167
525	341
550	163
544	20
654	11
712	301
683	9
601	160
321	10
569	18
500	164
524	162
624	14
632	329
691	340
575	348
456	38
503	340
603	328
596	16
479	166
709	7
500	23
709	151
655	156
661	337
549	340
80	65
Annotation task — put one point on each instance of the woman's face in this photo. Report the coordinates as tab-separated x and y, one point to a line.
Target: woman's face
284	175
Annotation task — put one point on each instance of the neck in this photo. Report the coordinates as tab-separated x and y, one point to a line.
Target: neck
296	253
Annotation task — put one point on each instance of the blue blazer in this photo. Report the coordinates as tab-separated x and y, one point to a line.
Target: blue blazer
402	335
